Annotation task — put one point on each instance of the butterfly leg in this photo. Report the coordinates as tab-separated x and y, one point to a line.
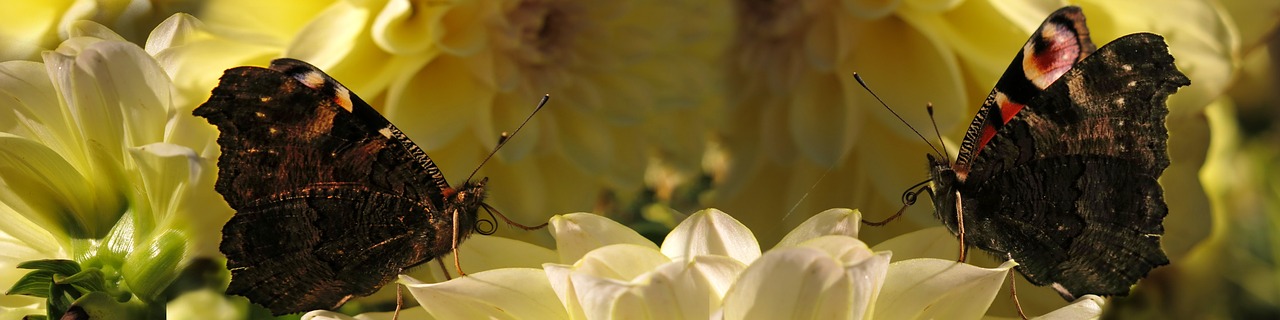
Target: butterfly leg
964	250
399	302
1013	292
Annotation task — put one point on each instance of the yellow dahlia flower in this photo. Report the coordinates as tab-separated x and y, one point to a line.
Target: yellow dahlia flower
98	170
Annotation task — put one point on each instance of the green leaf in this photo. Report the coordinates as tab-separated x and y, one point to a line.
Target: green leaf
59	266
89	280
35	283
57	303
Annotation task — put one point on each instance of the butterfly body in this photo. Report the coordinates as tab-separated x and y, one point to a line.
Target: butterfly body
332	201
1059	168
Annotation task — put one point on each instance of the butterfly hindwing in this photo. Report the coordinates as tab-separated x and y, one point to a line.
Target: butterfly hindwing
1077	170
1059	169
331	200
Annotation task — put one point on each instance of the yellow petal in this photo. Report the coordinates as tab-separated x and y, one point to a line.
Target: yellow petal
437	102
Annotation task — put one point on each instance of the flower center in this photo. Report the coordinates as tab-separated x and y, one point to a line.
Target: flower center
541	40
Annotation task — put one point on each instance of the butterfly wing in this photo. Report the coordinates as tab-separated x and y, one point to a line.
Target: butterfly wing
1068	185
331	199
1061	41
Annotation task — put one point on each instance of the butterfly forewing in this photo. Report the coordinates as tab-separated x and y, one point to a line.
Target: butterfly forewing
331	200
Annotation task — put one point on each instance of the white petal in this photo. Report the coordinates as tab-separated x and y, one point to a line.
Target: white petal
711	232
1086	307
791	283
844	222
866	269
672	291
719	271
52	191
326	315
481	252
579	233
621	261
513	293
936	288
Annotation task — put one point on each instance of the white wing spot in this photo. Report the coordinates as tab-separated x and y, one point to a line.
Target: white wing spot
313	79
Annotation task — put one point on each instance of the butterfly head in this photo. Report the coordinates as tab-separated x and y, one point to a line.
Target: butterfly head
468	196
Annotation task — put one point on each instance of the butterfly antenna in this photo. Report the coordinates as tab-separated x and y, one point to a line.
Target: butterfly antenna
502	141
908	198
945	154
493	210
895	113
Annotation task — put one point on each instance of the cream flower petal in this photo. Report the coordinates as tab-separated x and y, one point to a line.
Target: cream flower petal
865	268
166	169
800	283
935	288
53	193
844	222
719	271
482	253
417	313
134	84
1086	307
513	293
620	261
31	92
673	290
577	234
478	253
711	232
